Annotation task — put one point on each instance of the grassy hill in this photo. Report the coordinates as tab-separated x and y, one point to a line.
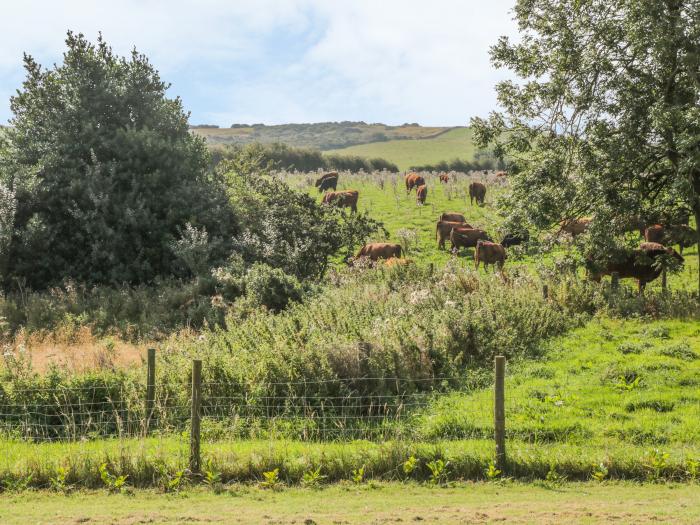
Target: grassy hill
455	143
321	135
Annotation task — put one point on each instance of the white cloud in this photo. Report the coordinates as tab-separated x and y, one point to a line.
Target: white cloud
388	60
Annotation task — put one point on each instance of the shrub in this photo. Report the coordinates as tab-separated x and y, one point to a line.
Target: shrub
271	287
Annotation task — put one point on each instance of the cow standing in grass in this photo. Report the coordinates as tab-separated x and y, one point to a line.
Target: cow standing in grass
342	199
575	227
380	250
444	178
467	238
413	180
421	194
453	217
443	229
327	181
489	253
477	191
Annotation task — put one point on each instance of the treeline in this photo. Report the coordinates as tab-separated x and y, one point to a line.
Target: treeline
283	156
482	162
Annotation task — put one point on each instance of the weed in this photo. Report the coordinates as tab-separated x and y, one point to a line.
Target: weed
19	484
600	472
358	475
58	482
693	468
271	479
112	482
312	478
655	463
627	385
679	351
492	473
438	471
410	465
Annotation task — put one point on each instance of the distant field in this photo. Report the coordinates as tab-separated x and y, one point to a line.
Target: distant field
322	135
456	143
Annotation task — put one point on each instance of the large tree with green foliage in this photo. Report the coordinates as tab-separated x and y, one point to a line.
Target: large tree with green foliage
103	171
605	116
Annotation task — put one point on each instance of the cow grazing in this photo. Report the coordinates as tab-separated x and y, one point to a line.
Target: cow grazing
477	191
444	178
421	194
380	250
489	253
443	229
515	239
467	238
453	217
413	180
636	264
343	199
327	181
575	227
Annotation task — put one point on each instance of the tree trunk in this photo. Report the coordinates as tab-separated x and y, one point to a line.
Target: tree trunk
696	211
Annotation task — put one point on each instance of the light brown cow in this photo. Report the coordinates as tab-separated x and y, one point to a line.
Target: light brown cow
575	226
444	228
343	199
444	178
413	180
380	250
489	253
453	217
467	238
394	262
477	191
421	194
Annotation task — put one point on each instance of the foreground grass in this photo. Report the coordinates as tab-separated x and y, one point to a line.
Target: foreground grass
376	503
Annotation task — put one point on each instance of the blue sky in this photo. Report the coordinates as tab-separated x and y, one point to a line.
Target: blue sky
277	61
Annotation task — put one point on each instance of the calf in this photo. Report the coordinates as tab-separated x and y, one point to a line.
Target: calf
489	253
421	194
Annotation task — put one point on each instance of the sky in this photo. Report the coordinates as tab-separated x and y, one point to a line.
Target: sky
281	61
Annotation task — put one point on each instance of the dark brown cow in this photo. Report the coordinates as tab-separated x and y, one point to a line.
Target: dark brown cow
444	228
477	191
637	264
444	178
344	199
453	217
466	238
655	233
421	194
575	226
489	253
380	250
413	180
327	181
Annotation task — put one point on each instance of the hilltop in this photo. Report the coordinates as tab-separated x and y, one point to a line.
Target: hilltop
321	135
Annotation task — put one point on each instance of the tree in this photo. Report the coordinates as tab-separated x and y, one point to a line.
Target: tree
104	171
606	117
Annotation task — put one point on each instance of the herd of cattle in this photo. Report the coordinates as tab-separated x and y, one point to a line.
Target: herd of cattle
641	264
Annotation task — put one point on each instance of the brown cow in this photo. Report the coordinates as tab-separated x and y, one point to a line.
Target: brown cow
453	217
443	230
413	180
380	250
327	181
575	226
489	253
501	174
636	264
444	178
655	233
466	238
477	191
421	194
344	199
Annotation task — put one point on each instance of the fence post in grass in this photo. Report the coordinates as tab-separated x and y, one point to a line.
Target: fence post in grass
614	281
195	420
150	388
500	413
545	291
664	282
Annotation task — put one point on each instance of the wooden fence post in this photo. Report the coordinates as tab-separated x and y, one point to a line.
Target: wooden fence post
614	281
195	421
150	388
545	291
500	413
664	282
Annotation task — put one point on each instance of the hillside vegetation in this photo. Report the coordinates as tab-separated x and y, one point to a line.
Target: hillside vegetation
453	144
321	135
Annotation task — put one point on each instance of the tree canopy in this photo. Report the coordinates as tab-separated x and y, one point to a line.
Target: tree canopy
603	118
103	171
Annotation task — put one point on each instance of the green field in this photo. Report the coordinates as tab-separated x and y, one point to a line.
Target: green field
379	503
453	144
